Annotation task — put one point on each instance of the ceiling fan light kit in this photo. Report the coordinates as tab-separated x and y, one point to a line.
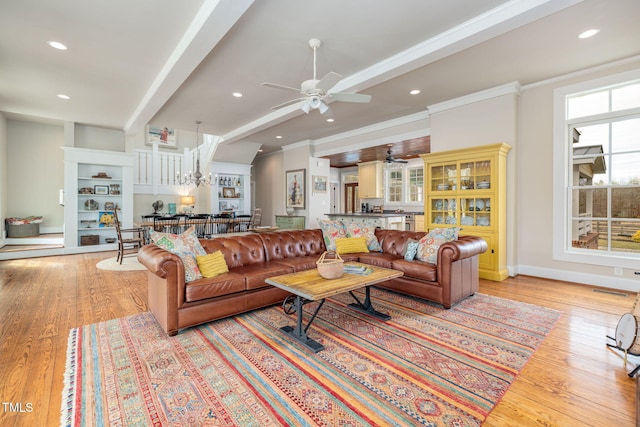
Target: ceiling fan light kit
315	92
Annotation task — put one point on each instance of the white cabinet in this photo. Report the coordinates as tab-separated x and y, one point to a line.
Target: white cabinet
232	192
370	180
96	182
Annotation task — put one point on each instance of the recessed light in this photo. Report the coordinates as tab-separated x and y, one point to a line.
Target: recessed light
57	45
63	96
278	136
331	120
237	94
260	150
588	33
415	91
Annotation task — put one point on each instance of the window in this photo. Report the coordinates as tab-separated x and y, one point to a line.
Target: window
395	186
416	186
599	203
404	183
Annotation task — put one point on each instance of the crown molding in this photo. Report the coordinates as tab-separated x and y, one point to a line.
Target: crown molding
506	89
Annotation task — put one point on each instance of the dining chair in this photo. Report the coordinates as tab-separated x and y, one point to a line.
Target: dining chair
200	224
134	240
256	218
242	223
166	224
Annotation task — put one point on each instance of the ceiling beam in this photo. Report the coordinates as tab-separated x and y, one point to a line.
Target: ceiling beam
214	19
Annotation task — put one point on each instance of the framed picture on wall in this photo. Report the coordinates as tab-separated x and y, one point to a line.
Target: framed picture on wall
161	135
295	181
319	184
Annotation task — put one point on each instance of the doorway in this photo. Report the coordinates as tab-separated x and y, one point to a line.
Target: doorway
351	199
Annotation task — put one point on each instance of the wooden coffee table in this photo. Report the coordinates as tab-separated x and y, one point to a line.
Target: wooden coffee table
308	286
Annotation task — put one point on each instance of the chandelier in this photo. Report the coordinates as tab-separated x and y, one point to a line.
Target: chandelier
195	177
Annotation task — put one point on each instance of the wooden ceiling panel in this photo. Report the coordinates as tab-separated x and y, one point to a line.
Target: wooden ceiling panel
408	149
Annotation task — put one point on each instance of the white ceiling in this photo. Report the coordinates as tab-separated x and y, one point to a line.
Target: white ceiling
170	63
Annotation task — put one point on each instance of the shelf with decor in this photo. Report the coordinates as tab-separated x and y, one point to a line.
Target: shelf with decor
467	188
94	189
231	192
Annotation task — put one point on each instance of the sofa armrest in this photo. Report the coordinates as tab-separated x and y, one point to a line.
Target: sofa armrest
169	270
457	269
159	261
464	247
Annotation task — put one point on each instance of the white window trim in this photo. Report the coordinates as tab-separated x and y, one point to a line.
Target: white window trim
561	172
413	164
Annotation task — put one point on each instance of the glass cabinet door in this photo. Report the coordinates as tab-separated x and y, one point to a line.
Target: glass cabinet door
444	177
475	175
475	211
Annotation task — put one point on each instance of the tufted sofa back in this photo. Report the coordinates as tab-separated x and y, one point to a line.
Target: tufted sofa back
288	244
394	241
238	251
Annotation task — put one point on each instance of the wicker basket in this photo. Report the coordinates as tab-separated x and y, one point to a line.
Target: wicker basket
330	268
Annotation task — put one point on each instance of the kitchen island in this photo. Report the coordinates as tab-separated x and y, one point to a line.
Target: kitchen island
391	221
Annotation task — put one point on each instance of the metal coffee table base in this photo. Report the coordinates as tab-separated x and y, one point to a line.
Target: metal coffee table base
299	332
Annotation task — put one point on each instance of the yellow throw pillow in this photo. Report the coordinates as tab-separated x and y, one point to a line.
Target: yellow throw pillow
351	245
212	265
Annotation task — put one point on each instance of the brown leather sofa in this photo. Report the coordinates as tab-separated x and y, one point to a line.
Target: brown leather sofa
254	258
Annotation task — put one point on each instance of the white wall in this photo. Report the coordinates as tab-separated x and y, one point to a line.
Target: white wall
98	138
535	187
268	174
35	172
488	121
3	175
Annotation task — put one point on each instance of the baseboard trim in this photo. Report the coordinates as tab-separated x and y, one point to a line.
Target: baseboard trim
610	282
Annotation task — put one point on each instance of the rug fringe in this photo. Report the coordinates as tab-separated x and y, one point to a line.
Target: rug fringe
68	390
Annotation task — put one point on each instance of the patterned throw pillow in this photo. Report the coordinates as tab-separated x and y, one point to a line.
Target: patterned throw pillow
351	245
185	242
429	244
212	265
406	247
332	230
357	229
186	246
412	250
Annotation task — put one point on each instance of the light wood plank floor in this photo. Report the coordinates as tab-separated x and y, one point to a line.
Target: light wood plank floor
572	380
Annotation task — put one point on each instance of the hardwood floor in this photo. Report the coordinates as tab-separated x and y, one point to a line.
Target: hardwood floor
572	380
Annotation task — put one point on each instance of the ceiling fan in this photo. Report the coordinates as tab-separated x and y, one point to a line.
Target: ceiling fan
391	159
315	92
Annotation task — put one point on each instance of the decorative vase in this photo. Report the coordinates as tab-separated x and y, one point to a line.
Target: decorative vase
289	211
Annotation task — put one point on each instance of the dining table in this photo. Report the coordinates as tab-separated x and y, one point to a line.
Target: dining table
214	225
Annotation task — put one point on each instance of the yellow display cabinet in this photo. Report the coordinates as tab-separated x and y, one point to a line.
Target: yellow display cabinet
467	188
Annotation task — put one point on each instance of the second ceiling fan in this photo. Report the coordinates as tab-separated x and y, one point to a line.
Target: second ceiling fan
315	92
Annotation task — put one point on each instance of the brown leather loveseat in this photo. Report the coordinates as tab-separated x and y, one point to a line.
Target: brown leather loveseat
255	257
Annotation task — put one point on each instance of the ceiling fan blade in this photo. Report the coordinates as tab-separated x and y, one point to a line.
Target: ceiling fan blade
284	104
277	86
328	81
350	97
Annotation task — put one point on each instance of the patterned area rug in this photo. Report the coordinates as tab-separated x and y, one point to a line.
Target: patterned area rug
425	366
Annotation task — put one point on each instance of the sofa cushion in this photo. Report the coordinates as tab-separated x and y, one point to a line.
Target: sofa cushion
395	241
283	245
332	230
379	259
224	284
351	245
256	274
301	263
429	244
357	229
238	250
212	265
416	269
